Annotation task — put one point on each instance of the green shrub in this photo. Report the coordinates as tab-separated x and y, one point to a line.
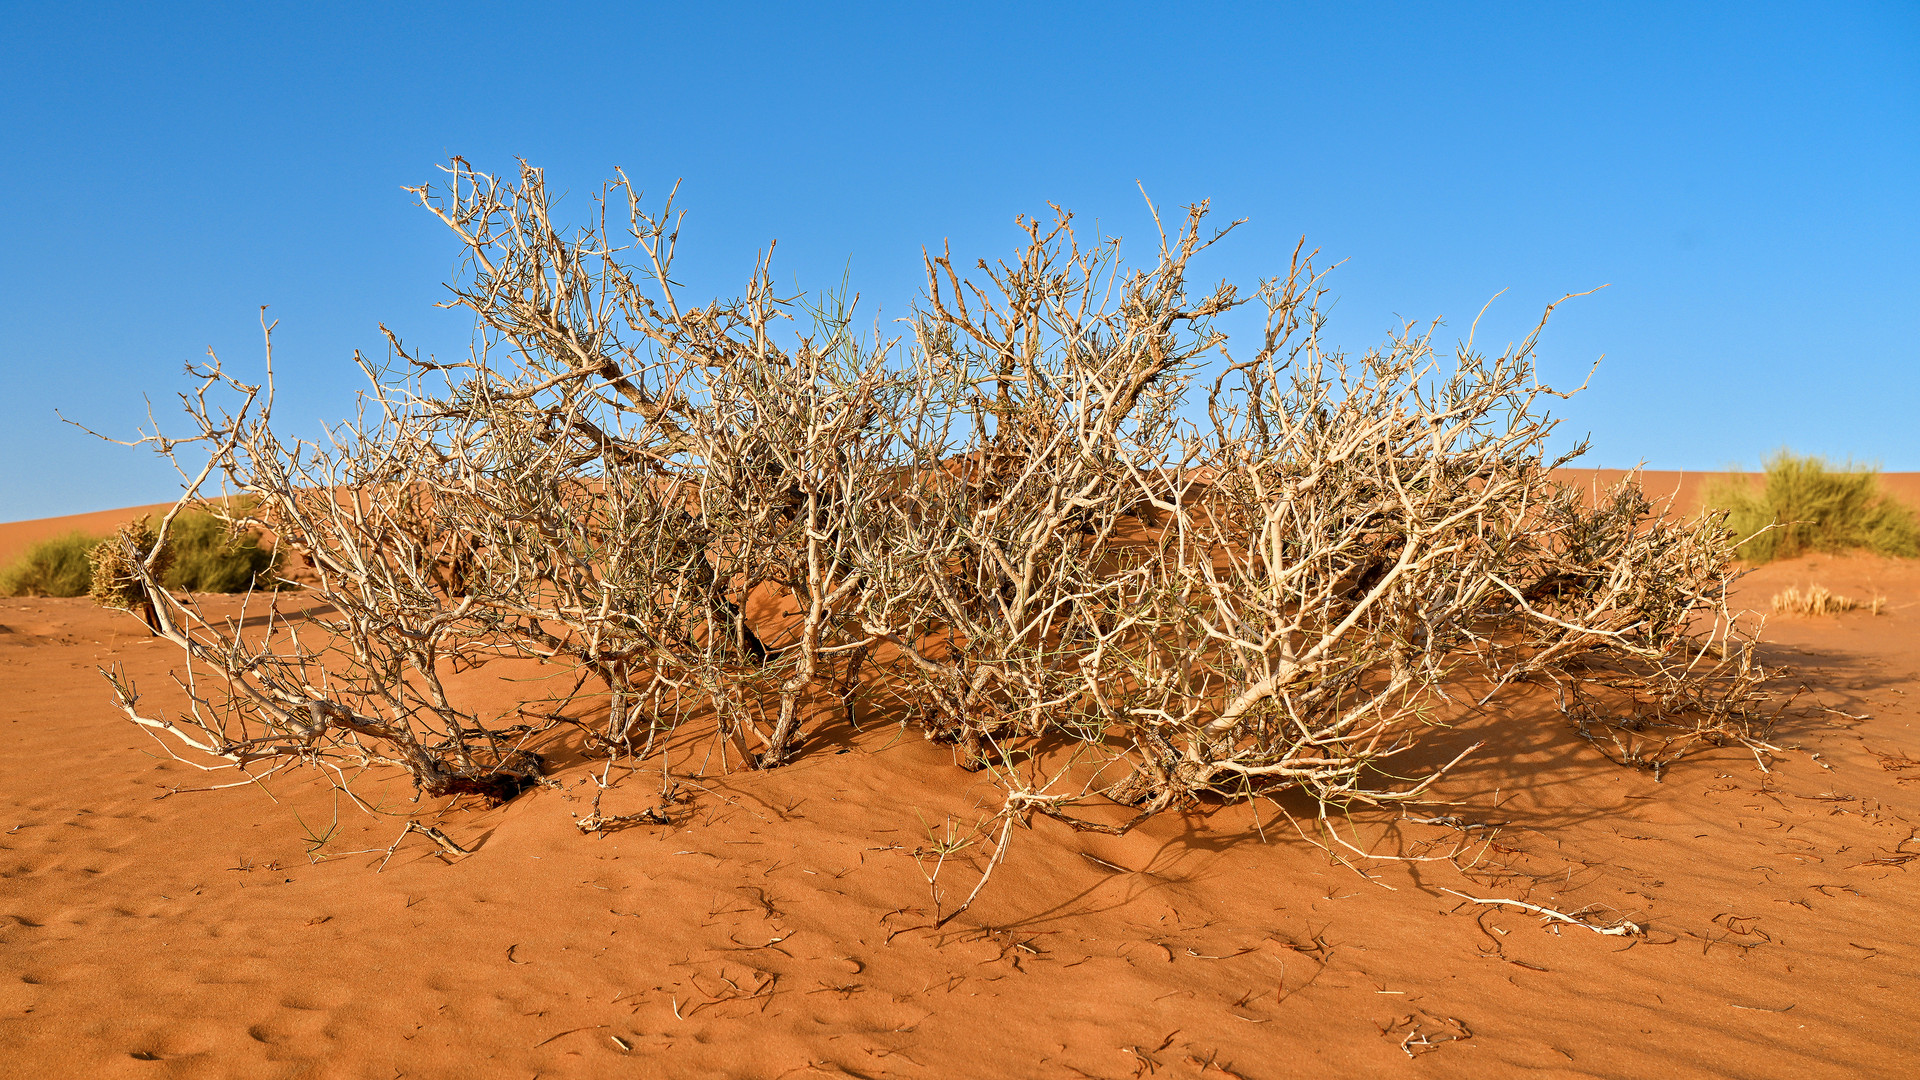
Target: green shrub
1815	506
203	556
208	557
53	567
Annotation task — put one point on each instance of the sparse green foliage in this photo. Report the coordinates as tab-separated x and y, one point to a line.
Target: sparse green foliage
203	555
53	567
208	556
1815	505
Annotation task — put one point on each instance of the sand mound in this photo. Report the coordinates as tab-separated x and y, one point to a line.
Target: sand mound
782	925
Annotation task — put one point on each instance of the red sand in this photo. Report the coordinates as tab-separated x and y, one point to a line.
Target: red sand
1687	488
782	929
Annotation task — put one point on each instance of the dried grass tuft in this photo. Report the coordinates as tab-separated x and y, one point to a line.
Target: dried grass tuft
115	582
1817	600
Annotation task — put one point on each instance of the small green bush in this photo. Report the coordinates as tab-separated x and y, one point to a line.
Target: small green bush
53	567
1816	506
208	557
203	556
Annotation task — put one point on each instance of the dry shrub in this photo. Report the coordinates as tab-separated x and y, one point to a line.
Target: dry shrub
124	563
1650	714
1816	600
1809	504
1675	666
1043	544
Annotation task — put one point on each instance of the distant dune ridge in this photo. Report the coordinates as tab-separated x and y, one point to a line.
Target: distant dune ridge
1684	487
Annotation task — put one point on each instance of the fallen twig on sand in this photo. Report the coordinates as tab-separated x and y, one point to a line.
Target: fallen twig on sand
1422	1032
569	1031
999	852
447	844
594	823
1621	929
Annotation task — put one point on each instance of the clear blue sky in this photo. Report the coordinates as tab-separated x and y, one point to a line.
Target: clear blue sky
1746	176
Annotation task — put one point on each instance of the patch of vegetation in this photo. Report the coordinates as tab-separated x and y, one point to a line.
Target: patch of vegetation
1817	600
203	555
115	582
1812	504
950	519
56	566
208	556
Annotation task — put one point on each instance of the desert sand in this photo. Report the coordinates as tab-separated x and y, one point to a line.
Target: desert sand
782	927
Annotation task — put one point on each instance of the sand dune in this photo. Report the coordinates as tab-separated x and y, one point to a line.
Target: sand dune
17	536
1687	489
782	926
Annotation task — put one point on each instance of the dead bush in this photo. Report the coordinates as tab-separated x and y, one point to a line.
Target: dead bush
116	581
1021	518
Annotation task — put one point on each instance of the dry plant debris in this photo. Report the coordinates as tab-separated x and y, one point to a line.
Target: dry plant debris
1062	522
1816	600
115	583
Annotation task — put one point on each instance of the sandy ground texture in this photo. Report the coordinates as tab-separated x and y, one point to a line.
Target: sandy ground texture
781	927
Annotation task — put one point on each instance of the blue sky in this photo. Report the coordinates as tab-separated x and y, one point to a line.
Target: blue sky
1746	177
